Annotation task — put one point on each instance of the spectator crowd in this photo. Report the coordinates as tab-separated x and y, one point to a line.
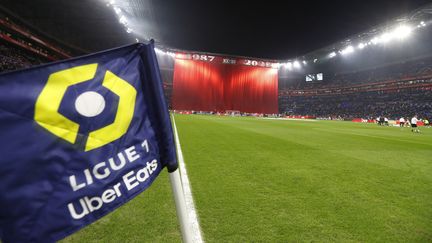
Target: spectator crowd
12	58
401	89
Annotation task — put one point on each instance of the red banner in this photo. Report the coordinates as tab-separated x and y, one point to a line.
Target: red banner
214	83
226	60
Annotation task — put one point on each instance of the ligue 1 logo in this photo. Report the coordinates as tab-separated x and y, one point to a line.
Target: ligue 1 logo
87	104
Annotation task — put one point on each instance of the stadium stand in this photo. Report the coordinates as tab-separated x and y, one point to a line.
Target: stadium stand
21	48
401	89
12	58
393	90
166	66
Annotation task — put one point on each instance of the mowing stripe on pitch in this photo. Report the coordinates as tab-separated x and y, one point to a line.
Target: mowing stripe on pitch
190	206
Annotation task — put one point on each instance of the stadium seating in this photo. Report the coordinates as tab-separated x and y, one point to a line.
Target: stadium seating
391	90
12	58
21	47
401	89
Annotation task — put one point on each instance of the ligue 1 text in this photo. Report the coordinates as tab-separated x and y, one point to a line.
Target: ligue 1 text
102	170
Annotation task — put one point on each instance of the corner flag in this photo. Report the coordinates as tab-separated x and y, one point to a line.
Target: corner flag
79	138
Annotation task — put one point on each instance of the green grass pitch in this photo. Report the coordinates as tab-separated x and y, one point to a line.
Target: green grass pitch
262	180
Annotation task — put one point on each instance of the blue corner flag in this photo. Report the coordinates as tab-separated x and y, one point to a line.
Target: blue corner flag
79	138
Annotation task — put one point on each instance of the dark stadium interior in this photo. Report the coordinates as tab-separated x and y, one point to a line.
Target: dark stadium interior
251	85
270	30
391	80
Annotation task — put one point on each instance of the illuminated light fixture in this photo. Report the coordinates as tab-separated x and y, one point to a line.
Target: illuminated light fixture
402	32
361	46
315	60
422	23
123	20
304	62
129	30
117	10
375	40
136	39
296	64
112	2
159	51
288	65
332	54
386	37
347	50
276	65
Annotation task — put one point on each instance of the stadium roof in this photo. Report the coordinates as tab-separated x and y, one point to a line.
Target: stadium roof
268	30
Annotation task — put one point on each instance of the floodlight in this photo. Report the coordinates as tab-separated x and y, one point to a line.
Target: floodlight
159	51
123	20
117	10
332	54
347	50
304	62
402	32
375	40
361	46
386	37
296	64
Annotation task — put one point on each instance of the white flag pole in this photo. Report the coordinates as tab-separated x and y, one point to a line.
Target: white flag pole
180	203
179	196
186	211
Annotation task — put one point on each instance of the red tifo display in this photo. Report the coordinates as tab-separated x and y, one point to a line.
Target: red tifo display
214	83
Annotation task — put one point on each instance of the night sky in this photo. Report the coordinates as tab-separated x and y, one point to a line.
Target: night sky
266	29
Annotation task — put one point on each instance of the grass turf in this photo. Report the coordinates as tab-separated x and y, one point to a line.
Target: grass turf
295	181
149	217
258	180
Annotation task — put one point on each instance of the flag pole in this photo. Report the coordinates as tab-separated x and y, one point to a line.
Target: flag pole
180	203
179	196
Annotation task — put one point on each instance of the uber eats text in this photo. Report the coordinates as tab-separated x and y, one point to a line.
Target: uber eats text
102	171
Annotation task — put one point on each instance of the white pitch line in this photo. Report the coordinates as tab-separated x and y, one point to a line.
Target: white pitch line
190	206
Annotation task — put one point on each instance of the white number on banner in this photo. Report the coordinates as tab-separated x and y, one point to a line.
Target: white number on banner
145	145
258	63
251	62
206	58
